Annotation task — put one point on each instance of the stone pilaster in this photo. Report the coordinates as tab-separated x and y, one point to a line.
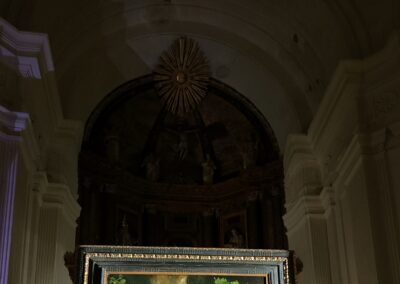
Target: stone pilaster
56	228
305	219
11	124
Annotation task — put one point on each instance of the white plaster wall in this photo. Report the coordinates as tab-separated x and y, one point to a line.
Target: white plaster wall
354	138
45	191
356	233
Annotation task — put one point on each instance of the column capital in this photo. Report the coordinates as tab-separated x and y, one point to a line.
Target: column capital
305	206
12	123
31	51
303	174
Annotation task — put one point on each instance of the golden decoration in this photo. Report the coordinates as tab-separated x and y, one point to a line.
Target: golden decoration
182	76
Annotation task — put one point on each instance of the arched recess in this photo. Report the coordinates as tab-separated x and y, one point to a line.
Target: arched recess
210	178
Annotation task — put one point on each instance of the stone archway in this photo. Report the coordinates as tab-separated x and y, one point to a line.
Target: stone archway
130	130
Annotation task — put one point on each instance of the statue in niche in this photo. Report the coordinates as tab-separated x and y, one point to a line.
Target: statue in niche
235	239
152	164
208	170
124	237
248	151
182	148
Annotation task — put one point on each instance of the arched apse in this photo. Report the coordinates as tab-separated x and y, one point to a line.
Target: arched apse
180	179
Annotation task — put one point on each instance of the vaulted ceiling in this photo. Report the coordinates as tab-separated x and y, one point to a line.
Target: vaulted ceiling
279	54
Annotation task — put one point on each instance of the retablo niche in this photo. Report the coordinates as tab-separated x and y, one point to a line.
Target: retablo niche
182	76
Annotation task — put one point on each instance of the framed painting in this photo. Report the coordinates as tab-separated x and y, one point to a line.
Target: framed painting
170	265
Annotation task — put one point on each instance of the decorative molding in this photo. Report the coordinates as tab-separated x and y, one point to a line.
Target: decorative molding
71	130
18	126
13	121
349	163
351	154
348	72
306	206
353	72
31	57
56	194
29	54
182	76
296	144
253	261
31	51
327	198
307	231
60	195
302	169
39	182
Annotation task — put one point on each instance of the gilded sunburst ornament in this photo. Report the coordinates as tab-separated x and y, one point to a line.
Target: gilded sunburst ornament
182	76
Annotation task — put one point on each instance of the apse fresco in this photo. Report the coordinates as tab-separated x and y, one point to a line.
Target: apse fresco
184	279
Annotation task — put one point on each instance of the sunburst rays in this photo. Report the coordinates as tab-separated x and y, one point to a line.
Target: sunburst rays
182	76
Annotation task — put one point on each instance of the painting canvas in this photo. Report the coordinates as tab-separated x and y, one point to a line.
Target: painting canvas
172	265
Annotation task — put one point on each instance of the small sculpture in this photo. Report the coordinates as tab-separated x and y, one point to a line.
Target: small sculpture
235	239
152	167
208	171
248	149
124	235
182	146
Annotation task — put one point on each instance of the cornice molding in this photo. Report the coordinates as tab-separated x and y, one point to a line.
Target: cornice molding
70	130
13	121
29	55
353	72
60	195
56	194
306	206
297	144
347	73
30	51
348	165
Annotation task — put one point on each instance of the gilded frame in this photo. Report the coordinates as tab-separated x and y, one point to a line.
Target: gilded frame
98	262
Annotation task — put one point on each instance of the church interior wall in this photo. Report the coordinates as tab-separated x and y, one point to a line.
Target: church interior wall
341	171
44	202
346	143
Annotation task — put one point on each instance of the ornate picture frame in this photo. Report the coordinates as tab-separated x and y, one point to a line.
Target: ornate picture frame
141	265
